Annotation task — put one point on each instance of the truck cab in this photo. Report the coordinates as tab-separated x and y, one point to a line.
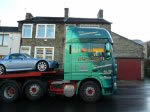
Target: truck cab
89	58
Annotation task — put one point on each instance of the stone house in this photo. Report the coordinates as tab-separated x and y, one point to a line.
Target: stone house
43	37
9	40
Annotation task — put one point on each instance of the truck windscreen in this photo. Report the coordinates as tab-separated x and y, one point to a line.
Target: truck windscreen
88	33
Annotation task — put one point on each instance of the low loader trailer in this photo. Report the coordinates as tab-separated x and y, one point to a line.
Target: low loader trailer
89	70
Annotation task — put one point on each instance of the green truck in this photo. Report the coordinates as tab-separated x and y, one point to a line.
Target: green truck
89	70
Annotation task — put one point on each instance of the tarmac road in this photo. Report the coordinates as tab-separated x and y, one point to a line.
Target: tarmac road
132	96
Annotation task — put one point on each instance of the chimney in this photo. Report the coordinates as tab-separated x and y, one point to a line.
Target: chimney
28	16
66	12
100	14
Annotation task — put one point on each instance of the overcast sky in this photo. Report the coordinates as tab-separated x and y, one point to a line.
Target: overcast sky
130	18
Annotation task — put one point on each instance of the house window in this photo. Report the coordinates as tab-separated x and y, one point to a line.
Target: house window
44	53
89	26
1	56
4	39
27	31
45	31
25	49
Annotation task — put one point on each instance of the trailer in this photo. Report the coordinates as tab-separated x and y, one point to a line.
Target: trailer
34	85
89	70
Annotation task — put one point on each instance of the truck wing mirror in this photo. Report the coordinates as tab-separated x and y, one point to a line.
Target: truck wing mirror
108	47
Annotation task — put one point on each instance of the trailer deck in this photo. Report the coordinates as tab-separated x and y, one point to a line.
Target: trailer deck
50	74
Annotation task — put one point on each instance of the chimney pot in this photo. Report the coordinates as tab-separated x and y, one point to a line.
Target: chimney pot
66	13
100	14
29	16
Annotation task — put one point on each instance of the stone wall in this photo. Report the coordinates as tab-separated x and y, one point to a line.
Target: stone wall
125	48
57	43
147	49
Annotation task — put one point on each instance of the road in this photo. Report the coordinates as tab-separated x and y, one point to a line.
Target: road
132	96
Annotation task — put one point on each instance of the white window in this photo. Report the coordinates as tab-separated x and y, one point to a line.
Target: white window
44	53
89	26
45	31
25	49
27	31
1	56
4	39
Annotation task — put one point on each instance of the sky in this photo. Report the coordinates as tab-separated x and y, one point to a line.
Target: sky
130	18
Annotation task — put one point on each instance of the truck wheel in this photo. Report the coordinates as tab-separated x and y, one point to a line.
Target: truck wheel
9	92
42	66
34	90
2	69
90	91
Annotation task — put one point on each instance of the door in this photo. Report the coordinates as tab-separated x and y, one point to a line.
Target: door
129	69
81	57
81	65
16	62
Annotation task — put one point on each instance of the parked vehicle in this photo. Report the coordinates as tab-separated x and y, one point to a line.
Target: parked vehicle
89	70
21	62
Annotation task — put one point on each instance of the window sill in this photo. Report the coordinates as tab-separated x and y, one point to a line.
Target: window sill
27	37
3	46
45	37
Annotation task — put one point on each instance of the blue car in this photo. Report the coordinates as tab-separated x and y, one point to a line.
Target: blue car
21	62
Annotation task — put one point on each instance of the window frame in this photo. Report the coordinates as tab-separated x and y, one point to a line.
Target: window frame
44	47
3	39
15	58
23	30
28	47
45	37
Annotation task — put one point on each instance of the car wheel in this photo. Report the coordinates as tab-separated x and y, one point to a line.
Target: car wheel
34	90
9	92
42	66
2	69
90	91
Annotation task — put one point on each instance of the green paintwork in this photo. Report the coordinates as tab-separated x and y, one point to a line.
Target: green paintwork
86	57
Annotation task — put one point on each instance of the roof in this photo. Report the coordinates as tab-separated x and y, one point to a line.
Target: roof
127	39
138	41
8	29
69	20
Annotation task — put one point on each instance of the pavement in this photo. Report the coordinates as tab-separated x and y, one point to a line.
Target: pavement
132	96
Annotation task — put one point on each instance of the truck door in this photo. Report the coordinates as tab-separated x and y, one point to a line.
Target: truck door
81	64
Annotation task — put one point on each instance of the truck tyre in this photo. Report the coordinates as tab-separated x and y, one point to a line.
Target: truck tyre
90	91
42	66
34	90
9	92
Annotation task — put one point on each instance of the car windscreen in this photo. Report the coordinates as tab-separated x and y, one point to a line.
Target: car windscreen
27	56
